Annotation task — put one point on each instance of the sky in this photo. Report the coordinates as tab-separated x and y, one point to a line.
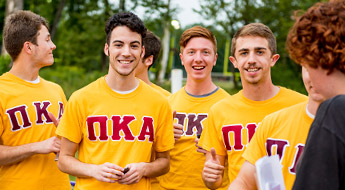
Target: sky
186	15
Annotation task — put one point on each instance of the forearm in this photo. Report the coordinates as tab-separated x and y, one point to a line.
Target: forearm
72	166
14	154
158	167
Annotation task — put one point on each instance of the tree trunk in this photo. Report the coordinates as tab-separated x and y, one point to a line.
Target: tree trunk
57	18
11	7
122	5
165	53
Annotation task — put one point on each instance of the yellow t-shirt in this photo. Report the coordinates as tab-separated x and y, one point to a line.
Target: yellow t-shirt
233	121
161	90
24	119
117	128
186	163
284	133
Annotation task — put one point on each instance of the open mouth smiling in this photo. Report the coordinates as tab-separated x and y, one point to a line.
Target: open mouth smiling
198	67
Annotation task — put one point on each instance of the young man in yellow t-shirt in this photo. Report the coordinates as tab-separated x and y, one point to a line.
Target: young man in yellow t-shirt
114	122
191	103
233	121
281	133
28	144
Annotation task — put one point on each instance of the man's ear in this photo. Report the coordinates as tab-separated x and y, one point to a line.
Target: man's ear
181	57
106	49
27	47
142	52
148	61
233	61
274	59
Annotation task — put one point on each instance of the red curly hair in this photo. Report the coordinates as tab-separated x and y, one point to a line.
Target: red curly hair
318	36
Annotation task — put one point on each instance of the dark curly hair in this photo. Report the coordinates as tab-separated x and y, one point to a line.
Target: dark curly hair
318	36
128	19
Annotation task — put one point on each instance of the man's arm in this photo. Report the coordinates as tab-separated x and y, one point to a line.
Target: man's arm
155	168
245	179
14	154
67	163
212	173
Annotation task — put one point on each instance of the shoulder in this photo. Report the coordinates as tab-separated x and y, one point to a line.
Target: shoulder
291	93
161	90
87	91
291	111
333	108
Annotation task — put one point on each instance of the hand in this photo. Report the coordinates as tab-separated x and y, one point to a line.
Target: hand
106	172
213	170
134	175
53	118
178	129
47	146
199	148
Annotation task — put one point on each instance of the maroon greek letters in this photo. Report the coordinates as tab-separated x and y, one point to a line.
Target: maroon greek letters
119	123
20	119
236	130
280	147
193	121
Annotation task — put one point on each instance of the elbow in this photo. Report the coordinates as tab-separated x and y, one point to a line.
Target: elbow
61	165
166	169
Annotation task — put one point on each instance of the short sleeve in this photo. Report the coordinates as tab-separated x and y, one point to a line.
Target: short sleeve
164	137
211	136
71	123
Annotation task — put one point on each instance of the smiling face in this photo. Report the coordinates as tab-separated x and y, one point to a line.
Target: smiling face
124	50
43	51
253	59
198	58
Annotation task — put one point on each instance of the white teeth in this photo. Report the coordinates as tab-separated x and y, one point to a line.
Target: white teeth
125	62
252	69
198	68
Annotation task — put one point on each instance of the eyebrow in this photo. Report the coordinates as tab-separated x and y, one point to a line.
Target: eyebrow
256	48
119	41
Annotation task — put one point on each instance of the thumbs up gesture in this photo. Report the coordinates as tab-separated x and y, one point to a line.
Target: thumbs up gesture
213	169
178	129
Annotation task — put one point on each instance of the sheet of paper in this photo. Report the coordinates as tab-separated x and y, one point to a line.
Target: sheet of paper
269	173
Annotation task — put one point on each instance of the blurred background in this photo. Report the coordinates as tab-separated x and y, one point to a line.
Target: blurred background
77	29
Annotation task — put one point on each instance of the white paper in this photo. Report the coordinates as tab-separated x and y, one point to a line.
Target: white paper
269	173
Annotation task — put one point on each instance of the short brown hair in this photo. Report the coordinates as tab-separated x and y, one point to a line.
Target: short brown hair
255	29
152	45
318	36
194	32
21	27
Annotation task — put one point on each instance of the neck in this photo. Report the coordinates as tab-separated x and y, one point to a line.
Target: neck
199	87
337	81
144	77
25	70
119	82
260	92
312	106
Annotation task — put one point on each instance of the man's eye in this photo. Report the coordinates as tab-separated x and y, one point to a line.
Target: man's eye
260	52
